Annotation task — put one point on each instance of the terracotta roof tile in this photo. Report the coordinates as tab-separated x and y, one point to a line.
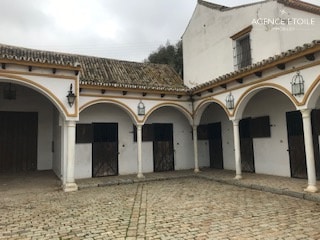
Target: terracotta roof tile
102	71
308	7
35	56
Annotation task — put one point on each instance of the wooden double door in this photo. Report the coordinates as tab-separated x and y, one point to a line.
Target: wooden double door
246	145
212	133
105	149
18	141
215	145
296	146
163	152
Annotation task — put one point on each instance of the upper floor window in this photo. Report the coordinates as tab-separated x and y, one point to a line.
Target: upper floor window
242	48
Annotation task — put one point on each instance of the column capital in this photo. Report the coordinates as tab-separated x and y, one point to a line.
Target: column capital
306	112
235	122
70	123
139	124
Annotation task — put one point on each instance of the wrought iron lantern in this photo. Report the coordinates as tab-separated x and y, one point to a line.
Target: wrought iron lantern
71	96
230	101
141	109
297	84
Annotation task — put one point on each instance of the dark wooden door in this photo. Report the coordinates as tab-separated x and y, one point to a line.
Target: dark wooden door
246	146
316	132
18	141
163	153
105	149
296	145
215	145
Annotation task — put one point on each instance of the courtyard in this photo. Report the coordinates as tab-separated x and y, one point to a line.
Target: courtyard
174	208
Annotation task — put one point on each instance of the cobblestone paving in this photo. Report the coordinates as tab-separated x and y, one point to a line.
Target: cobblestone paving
186	208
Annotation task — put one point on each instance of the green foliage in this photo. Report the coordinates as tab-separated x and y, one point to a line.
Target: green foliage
169	54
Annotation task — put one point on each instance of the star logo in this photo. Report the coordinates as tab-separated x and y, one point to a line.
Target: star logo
283	12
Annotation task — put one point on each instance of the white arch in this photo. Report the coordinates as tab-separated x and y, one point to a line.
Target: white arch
180	108
202	107
248	94
38	88
124	107
312	95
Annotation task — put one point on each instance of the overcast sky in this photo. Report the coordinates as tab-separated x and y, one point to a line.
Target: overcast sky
120	29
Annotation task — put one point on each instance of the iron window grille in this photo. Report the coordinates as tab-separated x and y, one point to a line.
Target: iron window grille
242	52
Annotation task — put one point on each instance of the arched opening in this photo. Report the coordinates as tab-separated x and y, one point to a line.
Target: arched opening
167	137
313	103
119	104
105	143
264	139
215	137
31	135
177	107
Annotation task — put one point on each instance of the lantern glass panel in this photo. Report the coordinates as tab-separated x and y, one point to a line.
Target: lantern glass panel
141	109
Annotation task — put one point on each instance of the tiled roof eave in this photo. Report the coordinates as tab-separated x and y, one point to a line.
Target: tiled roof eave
129	87
27	56
300	5
98	71
43	64
243	72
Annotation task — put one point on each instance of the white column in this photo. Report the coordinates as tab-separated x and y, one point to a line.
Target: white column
195	147
139	141
308	142
237	153
70	184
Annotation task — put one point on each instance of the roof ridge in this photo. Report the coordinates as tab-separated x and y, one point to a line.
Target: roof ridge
212	5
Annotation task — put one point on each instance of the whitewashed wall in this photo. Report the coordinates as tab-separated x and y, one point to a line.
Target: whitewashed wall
127	147
28	100
83	160
270	154
214	113
56	136
203	153
107	113
208	48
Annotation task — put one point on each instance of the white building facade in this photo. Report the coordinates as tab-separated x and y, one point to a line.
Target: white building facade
237	108
126	117
271	27
248	57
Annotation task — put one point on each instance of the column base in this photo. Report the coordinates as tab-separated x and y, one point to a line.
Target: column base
311	189
196	170
70	187
238	177
140	175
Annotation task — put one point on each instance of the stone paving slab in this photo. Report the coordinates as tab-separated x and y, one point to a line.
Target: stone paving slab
273	184
180	208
